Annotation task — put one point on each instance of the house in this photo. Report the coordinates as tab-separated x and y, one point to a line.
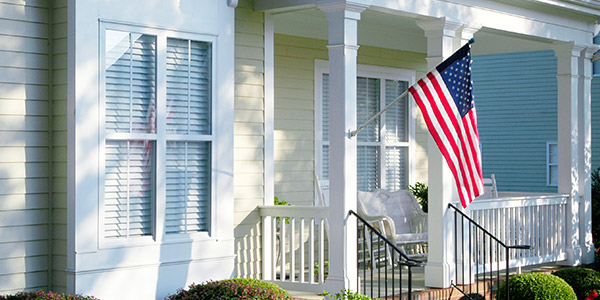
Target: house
139	138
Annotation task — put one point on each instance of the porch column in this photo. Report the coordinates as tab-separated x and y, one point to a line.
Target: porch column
343	19
585	153
443	38
571	170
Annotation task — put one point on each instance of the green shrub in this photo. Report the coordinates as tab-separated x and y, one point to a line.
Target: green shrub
582	280
420	191
237	288
537	286
41	295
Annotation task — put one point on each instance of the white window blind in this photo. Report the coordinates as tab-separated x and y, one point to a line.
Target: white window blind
188	187
188	119
552	159
133	135
130	82
129	190
382	146
130	102
188	87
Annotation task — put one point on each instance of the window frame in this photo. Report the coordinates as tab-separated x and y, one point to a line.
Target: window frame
550	164
158	215
382	73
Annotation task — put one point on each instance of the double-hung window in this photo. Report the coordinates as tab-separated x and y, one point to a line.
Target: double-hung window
157	132
552	163
384	146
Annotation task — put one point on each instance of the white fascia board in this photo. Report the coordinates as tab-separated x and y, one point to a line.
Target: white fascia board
591	7
495	15
274	6
485	13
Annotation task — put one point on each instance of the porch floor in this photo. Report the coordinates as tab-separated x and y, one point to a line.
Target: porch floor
420	291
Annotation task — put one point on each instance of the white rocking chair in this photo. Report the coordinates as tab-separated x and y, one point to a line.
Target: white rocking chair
398	216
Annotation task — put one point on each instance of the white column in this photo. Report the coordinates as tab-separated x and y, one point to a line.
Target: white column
443	38
585	154
570	172
343	19
269	128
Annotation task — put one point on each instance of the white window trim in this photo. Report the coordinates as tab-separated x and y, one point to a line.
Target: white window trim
549	164
322	67
158	235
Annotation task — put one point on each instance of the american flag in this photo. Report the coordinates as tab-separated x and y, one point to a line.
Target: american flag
445	98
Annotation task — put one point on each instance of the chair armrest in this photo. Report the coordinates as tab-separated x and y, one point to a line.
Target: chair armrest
384	223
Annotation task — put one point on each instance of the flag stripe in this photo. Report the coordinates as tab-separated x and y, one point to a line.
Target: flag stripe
444	96
465	154
445	121
434	129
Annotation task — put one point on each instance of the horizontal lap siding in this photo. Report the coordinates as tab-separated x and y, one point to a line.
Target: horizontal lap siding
516	99
24	153
294	111
249	138
59	145
595	123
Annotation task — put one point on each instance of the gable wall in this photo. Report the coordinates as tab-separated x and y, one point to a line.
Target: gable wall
516	100
24	145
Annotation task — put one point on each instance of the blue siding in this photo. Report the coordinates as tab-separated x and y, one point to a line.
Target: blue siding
595	123
516	100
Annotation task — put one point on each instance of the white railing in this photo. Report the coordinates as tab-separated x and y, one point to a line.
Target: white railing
534	220
295	246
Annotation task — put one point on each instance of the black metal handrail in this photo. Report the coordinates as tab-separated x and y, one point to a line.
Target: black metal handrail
477	255
390	253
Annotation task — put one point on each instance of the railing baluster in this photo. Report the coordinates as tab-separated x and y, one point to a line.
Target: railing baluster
302	265
311	249
292	249
282	247
274	248
321	250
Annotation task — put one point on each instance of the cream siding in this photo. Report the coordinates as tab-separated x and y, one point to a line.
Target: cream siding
24	146
249	138
59	144
294	111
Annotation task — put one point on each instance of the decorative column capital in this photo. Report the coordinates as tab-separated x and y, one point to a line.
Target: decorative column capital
343	8
232	3
439	27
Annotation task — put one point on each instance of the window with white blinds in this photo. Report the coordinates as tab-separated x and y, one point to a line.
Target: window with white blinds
382	146
188	121
552	163
134	135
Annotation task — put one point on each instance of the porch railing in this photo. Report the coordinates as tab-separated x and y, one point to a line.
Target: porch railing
297	246
481	260
538	221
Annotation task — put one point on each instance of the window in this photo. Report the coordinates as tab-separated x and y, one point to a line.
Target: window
141	125
383	147
552	163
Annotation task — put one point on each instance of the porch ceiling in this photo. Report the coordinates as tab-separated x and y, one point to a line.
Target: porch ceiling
394	20
384	30
375	29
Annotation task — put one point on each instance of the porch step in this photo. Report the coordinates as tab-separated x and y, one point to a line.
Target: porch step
297	295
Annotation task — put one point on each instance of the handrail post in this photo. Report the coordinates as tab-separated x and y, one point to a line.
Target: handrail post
507	273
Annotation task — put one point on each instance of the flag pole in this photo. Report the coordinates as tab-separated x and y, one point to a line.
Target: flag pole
353	133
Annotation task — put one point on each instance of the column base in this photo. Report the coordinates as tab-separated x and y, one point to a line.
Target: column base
573	257
437	275
588	253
